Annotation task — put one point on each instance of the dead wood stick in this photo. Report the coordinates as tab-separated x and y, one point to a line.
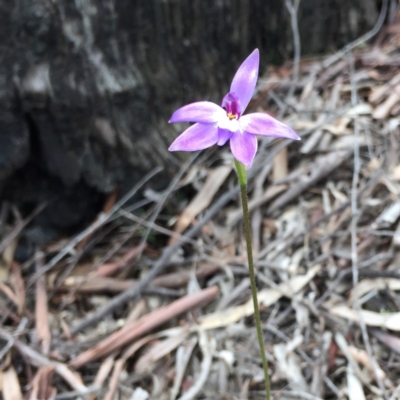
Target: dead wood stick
41	309
173	280
132	331
364	38
322	168
20	226
39	360
100	221
110	269
298	238
135	291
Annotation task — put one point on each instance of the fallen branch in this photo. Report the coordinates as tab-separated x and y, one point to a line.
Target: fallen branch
132	331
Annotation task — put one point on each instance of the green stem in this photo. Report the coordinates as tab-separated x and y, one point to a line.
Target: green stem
241	172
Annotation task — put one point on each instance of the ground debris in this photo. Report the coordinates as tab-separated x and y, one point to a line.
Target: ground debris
326	230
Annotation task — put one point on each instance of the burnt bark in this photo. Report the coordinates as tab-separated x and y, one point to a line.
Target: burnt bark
87	86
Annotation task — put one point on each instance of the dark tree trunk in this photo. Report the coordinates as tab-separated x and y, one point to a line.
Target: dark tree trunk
87	86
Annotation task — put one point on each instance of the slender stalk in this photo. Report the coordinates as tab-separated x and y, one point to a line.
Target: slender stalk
241	172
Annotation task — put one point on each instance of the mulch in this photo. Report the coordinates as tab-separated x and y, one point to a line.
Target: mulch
153	301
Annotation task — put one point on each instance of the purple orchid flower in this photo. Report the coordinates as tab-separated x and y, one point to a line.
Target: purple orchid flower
217	125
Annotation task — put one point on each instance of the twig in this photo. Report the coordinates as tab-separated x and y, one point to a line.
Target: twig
353	227
348	274
263	155
395	393
369	35
323	167
171	187
299	395
148	322
103	218
38	360
354	187
207	347
135	291
41	310
151	225
293	9
18	229
297	238
77	394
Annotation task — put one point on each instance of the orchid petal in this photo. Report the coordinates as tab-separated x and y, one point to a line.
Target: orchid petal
223	136
245	79
265	125
244	147
197	137
202	111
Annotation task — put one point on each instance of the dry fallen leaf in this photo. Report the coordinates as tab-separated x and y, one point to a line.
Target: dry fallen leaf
158	351
207	346
183	355
140	394
11	388
354	386
361	356
42	388
131	331
368	285
41	310
384	109
266	298
18	285
280	165
392	341
289	366
38	360
370	318
202	200
102	374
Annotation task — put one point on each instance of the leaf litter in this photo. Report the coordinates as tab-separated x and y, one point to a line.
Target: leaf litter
190	333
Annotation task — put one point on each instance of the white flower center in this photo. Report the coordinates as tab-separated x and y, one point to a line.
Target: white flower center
229	124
